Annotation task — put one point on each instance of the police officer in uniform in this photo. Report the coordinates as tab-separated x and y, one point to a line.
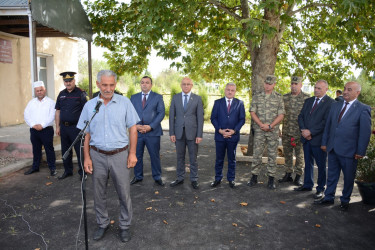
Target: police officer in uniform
69	105
291	135
267	111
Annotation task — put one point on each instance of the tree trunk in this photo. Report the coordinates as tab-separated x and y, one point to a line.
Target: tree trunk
263	63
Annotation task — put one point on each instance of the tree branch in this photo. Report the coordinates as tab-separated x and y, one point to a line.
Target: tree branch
225	8
312	5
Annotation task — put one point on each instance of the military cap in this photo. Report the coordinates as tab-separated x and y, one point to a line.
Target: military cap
270	79
38	84
296	79
68	75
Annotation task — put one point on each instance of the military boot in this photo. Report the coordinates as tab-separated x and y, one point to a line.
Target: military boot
271	184
297	181
287	178
253	181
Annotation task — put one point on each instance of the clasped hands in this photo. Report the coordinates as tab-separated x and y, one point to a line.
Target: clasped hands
143	129
227	133
306	134
265	127
38	127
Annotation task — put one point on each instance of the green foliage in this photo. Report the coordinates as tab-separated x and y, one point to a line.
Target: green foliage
366	165
239	41
203	94
367	95
131	91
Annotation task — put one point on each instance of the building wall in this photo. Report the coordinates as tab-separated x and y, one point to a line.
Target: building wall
15	80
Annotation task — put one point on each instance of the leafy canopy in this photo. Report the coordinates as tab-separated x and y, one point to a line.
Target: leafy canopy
239	40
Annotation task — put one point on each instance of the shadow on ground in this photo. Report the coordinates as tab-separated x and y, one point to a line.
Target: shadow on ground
181	217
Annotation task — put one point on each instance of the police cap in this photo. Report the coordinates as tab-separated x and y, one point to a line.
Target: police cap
68	76
270	79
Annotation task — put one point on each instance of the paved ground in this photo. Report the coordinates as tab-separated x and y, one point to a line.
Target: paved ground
180	217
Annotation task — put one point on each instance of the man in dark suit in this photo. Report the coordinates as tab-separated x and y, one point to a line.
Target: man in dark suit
346	137
228	117
150	109
339	96
186	129
312	120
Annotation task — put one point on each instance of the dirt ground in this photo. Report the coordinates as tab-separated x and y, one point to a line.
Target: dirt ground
181	217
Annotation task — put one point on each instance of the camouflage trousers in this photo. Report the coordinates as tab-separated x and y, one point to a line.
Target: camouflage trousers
288	155
261	139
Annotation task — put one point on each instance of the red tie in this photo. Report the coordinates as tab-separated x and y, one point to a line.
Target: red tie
315	104
144	100
342	111
228	106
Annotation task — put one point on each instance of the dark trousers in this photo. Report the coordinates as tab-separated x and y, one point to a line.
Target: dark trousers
181	151
223	147
44	138
311	153
153	147
336	164
68	134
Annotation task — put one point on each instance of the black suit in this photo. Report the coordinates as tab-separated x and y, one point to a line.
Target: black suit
315	122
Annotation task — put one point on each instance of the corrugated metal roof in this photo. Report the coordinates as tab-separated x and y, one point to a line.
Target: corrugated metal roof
14	3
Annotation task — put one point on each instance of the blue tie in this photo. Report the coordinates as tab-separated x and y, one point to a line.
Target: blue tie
185	102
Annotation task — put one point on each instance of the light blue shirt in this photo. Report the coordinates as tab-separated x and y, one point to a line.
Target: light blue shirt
183	97
147	95
108	129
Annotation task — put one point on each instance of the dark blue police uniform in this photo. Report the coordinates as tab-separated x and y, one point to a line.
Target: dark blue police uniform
70	106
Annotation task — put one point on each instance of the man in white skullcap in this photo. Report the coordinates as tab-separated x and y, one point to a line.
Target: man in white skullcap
40	115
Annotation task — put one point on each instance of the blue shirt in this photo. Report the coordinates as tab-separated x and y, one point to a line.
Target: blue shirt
108	129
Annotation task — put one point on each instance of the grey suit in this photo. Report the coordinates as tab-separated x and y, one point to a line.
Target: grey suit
186	126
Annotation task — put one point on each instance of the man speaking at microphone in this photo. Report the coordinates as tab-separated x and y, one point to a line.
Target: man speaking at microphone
109	151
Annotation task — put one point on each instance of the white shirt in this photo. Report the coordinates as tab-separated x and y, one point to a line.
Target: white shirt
147	95
231	100
347	107
40	112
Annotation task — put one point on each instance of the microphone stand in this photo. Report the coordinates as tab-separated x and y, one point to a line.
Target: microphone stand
81	136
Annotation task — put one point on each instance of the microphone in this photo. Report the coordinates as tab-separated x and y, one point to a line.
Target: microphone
98	104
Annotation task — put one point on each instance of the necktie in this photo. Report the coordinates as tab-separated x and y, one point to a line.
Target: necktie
228	106
185	102
342	111
315	104
144	100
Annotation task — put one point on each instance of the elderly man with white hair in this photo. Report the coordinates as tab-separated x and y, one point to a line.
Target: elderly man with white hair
39	116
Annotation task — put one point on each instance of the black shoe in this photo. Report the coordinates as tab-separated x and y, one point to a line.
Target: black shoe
64	176
53	172
324	202
318	195
30	171
176	182
124	235
159	182
135	180
302	188
215	183
271	183
232	184
99	233
195	184
287	178
297	181
344	206
253	181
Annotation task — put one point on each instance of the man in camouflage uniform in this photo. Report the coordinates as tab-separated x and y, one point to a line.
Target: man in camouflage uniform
267	111
291	135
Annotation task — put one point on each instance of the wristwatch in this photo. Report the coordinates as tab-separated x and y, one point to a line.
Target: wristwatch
269	126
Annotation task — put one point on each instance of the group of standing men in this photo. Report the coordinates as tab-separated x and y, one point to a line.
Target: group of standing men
312	127
39	115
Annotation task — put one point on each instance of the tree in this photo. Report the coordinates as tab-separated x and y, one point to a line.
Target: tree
239	40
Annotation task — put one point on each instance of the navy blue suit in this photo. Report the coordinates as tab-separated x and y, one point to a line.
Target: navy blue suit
344	140
221	119
315	122
152	114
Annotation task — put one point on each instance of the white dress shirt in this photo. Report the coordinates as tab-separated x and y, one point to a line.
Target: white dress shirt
347	107
40	112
